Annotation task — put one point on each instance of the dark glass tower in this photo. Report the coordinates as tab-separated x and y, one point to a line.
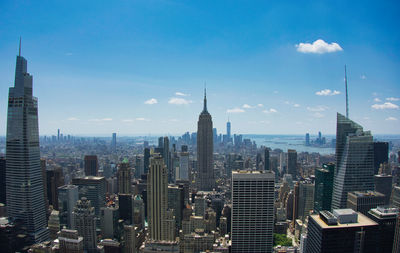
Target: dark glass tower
205	149
323	187
24	181
354	161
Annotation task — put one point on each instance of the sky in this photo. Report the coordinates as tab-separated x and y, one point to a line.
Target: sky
140	67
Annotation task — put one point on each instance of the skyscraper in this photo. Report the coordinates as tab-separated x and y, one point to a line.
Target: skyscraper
266	160
114	142
228	130
24	181
323	187
124	178
292	163
381	151
91	165
205	149
146	160
94	189
157	198
252	211
85	223
354	161
54	179
2	180
67	197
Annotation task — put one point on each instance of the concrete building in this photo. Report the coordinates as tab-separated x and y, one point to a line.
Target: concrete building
70	241
85	223
91	165
68	195
252	211
364	201
386	219
94	189
54	224
124	175
292	163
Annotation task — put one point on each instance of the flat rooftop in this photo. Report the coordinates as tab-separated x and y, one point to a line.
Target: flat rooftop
365	194
362	221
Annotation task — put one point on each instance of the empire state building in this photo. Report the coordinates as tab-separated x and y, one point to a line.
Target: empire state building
205	149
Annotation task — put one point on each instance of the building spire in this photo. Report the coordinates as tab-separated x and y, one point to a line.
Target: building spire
19	54
205	98
347	96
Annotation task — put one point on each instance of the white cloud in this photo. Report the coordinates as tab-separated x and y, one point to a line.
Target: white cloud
363	77
318	47
391	119
179	101
151	101
235	110
246	106
318	108
127	120
386	105
327	92
296	105
100	120
181	94
72	119
260	105
271	110
276	92
377	100
318	115
392	99
142	119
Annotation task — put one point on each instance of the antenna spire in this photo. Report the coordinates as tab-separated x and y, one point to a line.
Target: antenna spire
19	46
347	96
205	98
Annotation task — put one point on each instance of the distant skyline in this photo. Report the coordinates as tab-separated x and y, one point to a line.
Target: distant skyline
139	67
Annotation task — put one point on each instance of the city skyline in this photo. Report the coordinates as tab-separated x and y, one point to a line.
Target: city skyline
133	80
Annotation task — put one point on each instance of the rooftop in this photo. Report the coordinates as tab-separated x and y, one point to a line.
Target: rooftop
362	221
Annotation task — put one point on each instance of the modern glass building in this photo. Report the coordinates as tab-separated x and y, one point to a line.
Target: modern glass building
324	187
354	161
24	180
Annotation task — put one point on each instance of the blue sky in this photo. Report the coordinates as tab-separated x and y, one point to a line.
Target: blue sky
271	67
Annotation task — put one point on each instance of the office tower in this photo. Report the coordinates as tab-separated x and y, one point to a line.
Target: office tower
200	205
70	241
109	221
324	187
124	178
44	177
68	195
94	189
55	179
183	165
139	166
266	160
307	139
167	159
396	239
54	224
305	200
129	239
3	180
344	230
160	142
114	142
146	160
157	198
176	202
354	161
386	219
364	201
395	197
252	211
24	182
381	152
292	163
138	212
91	165
383	184
125	202
85	223
228	129
205	150
58	134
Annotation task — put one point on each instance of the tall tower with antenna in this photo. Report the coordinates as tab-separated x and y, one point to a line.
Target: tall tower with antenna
347	95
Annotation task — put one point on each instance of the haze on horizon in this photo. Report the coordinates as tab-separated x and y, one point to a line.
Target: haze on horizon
139	68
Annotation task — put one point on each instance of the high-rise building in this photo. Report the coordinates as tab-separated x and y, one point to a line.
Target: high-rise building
70	241
24	181
395	197
146	160
228	130
324	187
85	223
54	224
114	141
306	199
68	195
94	189
386	219
354	161
167	160
176	202
183	166
252	211
54	179
396	239
205	147
3	180
157	198
364	201
266	160
292	163
381	153
124	174
109	221
307	139
91	165
344	230
383	184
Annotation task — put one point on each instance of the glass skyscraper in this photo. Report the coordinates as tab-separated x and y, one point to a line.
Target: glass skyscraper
24	180
354	161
